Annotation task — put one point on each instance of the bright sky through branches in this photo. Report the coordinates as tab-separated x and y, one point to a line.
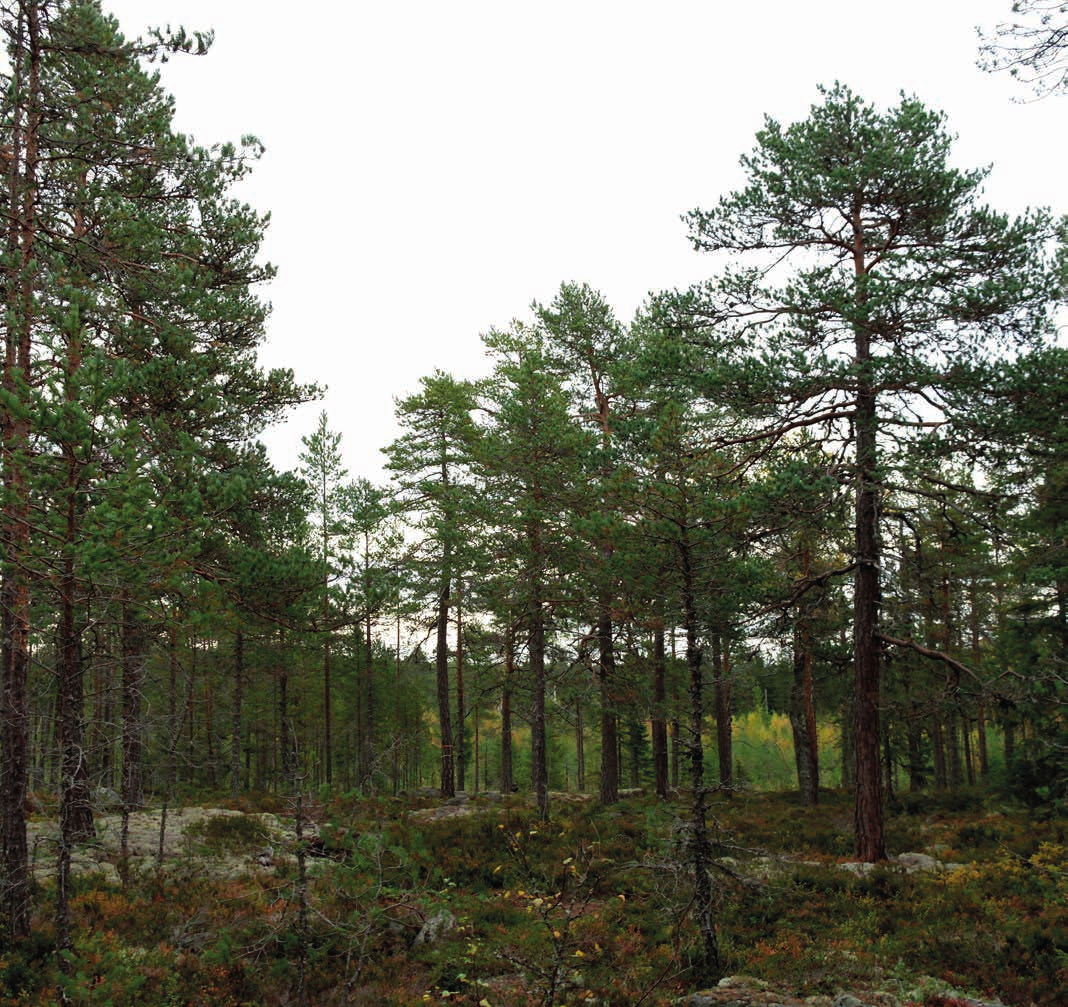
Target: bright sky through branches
433	167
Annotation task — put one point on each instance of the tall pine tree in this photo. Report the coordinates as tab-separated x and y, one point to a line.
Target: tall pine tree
873	281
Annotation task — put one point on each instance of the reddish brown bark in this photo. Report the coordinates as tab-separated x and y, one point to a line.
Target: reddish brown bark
868	806
15	424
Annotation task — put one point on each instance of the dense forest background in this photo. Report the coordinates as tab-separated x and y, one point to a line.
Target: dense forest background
804	524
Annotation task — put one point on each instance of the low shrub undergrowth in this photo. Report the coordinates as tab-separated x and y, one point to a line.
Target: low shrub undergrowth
593	905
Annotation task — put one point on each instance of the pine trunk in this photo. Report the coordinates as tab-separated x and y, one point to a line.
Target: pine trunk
709	965
20	307
659	724
803	717
237	715
507	776
580	747
367	707
724	730
76	810
914	736
539	764
868	819
132	646
441	664
328	714
461	699
606	671
868	806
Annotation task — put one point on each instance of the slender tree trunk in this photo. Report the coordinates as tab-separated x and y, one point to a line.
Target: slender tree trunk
849	762
580	747
980	729
367	740
710	964
969	758
14	716
676	726
237	715
977	657
174	725
802	704
397	734
75	806
475	730
210	744
889	779
659	722
913	712
914	734
803	716
1008	735
328	713
76	810
938	746
507	776
953	754
131	648
868	806
868	821
539	766
461	700
294	782
606	673
286	738
15	516
954	764
722	694
189	709
441	663
102	737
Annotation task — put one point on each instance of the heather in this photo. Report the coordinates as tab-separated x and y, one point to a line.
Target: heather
410	900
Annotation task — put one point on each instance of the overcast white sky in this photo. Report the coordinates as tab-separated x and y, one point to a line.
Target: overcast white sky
432	167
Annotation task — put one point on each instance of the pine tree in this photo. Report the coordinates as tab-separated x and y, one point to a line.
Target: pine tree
530	464
431	460
585	344
131	322
901	285
322	469
373	544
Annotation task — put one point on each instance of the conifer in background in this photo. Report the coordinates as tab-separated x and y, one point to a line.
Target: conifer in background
431	464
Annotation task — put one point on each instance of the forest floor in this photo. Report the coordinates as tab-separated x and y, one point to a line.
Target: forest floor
155	837
474	901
